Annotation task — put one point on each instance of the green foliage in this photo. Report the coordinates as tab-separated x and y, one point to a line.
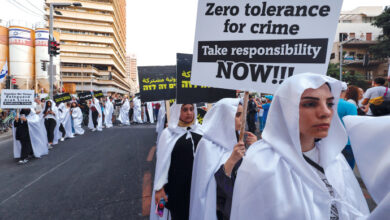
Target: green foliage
356	79
382	49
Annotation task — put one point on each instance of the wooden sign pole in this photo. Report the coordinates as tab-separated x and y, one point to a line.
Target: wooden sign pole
168	109
243	116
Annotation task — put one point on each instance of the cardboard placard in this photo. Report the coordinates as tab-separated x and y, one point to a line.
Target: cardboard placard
98	94
83	96
254	45
157	83
188	93
201	114
15	98
65	97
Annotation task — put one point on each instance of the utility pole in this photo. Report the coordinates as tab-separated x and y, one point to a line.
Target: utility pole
341	56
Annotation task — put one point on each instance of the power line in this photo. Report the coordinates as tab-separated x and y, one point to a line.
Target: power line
40	10
20	6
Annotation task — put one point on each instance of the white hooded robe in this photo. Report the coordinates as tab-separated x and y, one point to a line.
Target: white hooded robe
124	113
160	120
212	151
165	145
65	120
99	119
77	116
370	142
275	182
38	136
108	110
137	111
57	133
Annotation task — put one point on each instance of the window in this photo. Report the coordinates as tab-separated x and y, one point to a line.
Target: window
347	21
369	36
351	35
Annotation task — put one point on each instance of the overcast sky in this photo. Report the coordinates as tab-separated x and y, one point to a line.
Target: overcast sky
156	29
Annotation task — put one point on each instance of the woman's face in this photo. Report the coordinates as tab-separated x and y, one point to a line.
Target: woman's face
49	103
361	92
315	112
187	113
238	117
73	105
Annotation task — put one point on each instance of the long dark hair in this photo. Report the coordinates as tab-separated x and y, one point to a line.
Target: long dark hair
352	93
47	106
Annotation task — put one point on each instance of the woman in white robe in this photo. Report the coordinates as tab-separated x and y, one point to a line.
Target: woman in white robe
160	121
124	112
218	156
149	106
77	117
37	134
137	111
96	104
166	144
57	133
108	110
297	170
65	120
370	142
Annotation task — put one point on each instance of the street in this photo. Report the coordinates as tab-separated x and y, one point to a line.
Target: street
100	175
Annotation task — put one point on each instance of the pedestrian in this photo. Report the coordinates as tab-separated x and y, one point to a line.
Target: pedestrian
109	109
95	115
137	111
77	117
156	108
65	120
266	107
379	90
131	111
218	157
175	154
354	95
160	124
345	108
149	112
124	112
297	171
50	114
29	136
251	115
37	106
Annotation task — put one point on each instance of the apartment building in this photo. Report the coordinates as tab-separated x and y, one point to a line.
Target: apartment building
93	45
357	34
132	72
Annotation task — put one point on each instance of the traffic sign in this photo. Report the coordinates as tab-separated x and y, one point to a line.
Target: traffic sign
13	81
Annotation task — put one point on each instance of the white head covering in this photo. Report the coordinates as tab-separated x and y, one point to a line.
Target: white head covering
65	120
54	108
100	119
38	136
274	180
370	141
213	150
165	145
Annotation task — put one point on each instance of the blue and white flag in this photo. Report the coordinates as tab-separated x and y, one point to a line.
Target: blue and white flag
4	72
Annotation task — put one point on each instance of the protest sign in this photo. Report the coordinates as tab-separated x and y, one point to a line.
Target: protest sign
157	83
65	97
14	98
188	93
98	94
254	45
83	96
201	114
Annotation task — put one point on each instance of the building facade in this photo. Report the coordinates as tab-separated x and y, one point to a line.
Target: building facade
132	72
357	34
93	45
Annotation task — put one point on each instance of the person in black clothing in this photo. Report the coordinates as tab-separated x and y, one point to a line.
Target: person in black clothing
252	109
23	135
50	122
177	190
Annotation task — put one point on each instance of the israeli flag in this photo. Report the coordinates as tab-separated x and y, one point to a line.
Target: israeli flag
4	72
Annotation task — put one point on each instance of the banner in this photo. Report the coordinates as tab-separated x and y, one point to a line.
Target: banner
65	97
14	98
157	83
254	45
188	93
83	96
201	114
98	94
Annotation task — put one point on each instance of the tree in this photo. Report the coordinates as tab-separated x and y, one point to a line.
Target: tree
356	79
382	49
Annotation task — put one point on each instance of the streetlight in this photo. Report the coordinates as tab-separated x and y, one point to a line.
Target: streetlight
52	6
341	55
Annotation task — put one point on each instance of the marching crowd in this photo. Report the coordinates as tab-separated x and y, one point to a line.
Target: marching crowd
299	169
38	129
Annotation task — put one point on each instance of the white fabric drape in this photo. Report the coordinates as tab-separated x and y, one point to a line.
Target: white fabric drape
65	120
57	133
100	119
370	142
165	145
108	110
149	105
137	110
77	116
160	120
124	113
275	182
213	150
38	136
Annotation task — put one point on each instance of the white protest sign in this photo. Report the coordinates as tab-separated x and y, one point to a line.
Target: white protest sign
254	45
14	98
